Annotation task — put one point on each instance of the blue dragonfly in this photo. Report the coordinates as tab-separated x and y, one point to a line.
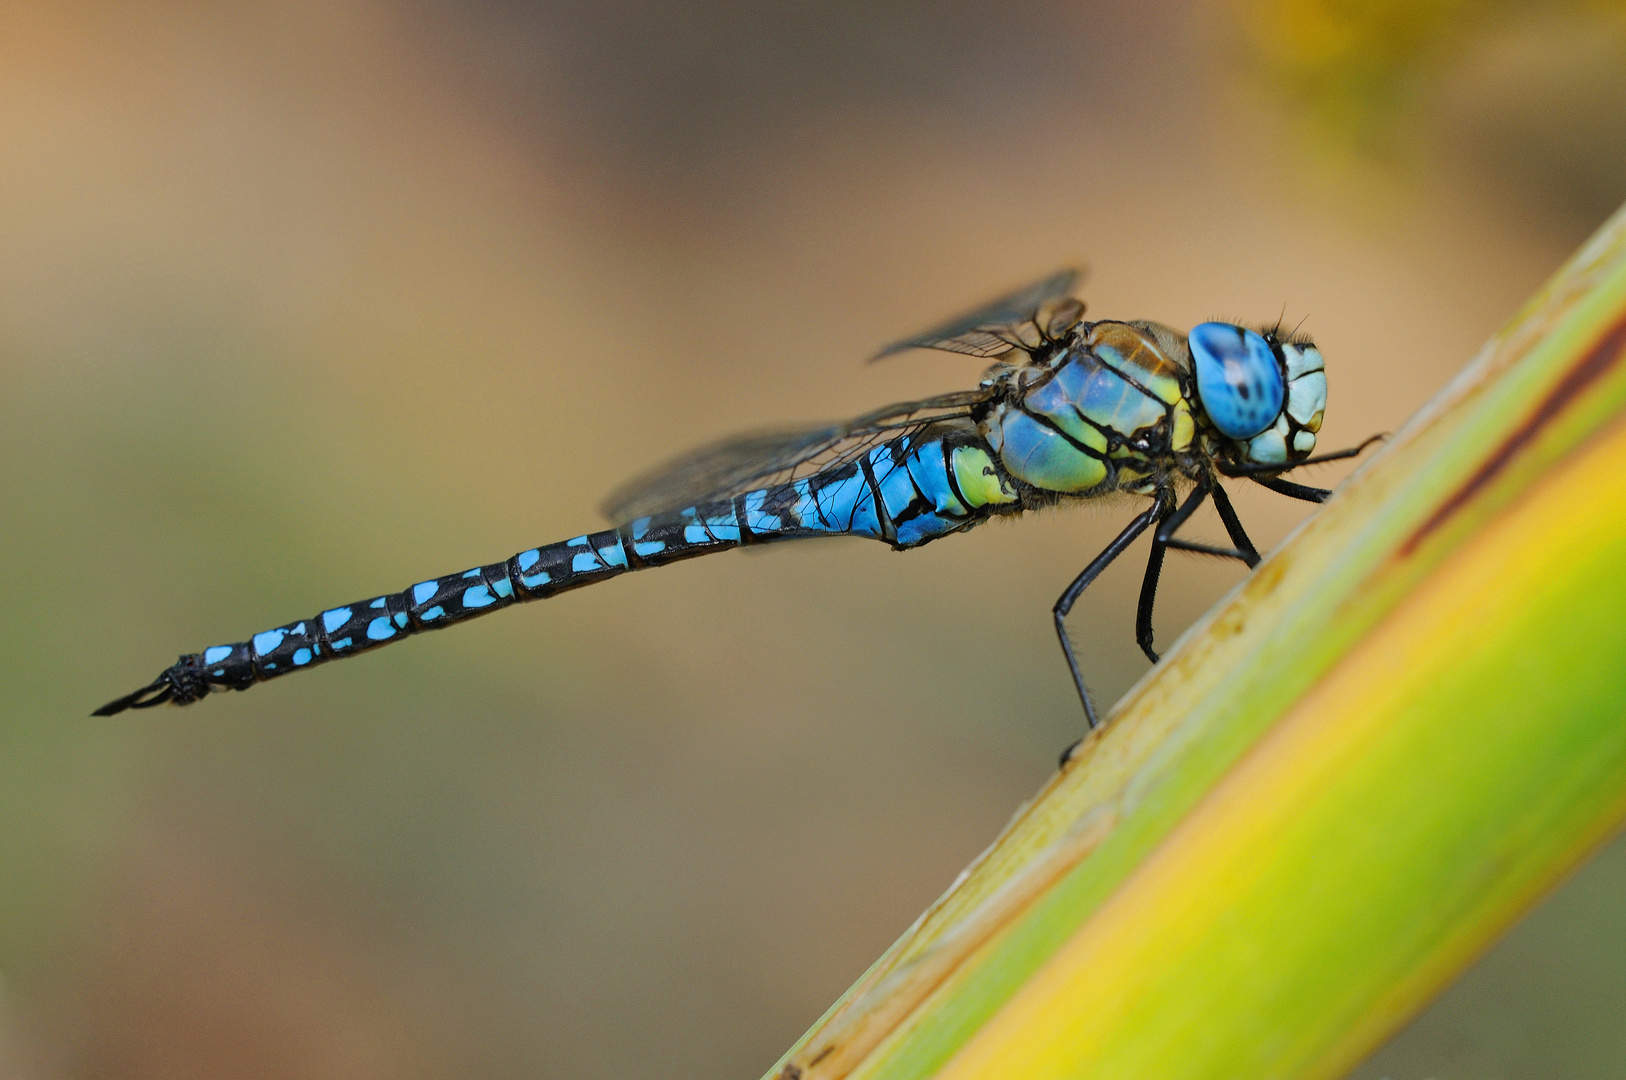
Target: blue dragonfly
1070	409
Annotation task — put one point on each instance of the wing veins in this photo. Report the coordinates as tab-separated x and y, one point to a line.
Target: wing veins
748	462
992	329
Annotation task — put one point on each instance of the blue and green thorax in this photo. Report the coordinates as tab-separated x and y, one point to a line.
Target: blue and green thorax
1120	406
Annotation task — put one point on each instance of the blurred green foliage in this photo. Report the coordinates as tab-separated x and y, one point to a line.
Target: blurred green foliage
1359	69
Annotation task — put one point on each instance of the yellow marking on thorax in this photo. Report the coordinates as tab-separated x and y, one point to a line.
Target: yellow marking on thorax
979	481
1185	429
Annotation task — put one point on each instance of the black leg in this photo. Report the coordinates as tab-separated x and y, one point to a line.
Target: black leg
1292	490
1206	549
1319	459
1064	604
1168	525
1233	528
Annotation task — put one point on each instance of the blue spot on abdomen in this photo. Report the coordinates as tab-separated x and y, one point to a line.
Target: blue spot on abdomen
267	640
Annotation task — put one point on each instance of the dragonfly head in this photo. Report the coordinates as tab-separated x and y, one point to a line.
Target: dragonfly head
1263	394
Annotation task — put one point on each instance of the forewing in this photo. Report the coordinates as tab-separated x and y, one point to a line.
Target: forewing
748	462
995	327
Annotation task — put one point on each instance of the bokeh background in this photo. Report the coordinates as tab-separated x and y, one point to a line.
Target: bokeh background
303	302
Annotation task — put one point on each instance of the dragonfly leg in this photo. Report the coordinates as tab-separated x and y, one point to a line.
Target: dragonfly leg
1292	490
1340	455
1319	459
1162	540
1064	604
1206	549
1234	529
1245	553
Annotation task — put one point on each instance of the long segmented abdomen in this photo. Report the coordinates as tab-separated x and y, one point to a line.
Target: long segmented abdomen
906	491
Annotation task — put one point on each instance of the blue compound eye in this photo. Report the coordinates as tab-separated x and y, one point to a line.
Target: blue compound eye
1237	378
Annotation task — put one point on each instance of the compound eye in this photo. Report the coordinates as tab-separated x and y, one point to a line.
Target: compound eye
1238	379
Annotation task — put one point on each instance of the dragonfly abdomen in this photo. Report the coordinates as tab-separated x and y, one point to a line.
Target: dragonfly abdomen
906	491
355	628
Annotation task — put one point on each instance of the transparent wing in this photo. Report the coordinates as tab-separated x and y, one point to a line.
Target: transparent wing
747	462
1022	319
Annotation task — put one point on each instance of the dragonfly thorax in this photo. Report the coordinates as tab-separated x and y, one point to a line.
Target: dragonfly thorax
1109	411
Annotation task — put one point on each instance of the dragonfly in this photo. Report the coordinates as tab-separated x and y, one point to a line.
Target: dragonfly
1069	410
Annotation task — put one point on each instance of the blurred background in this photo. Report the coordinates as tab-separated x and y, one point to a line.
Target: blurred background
305	302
